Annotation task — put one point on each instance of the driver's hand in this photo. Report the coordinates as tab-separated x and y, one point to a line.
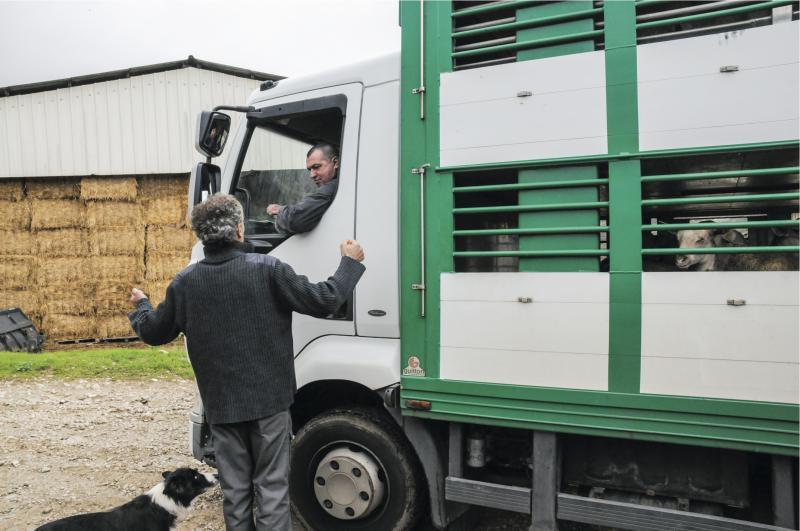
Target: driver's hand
352	249
273	209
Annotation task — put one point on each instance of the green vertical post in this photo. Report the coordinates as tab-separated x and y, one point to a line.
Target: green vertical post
419	146
554	30
624	190
558	218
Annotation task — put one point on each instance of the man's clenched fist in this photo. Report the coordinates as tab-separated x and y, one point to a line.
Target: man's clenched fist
352	249
136	296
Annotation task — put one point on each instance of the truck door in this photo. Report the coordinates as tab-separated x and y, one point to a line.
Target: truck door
271	168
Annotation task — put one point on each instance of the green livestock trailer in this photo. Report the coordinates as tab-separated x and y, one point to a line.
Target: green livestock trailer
556	157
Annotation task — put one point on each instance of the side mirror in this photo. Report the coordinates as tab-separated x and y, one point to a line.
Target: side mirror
205	180
212	132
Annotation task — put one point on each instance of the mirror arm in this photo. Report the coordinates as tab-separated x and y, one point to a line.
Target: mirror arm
230	108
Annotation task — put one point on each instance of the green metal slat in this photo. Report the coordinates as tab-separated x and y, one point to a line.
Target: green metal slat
566	252
541	230
531	208
496	6
726	250
531	44
721	199
720	174
722	225
530	186
715	14
529	23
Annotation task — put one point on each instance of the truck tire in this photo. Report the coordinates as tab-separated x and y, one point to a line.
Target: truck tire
354	469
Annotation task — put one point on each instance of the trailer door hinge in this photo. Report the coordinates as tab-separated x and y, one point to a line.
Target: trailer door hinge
418	286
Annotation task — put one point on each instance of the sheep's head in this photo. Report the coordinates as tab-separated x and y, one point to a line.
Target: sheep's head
695	239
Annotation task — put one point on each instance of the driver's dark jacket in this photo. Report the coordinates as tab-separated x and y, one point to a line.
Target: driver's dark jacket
305	214
235	309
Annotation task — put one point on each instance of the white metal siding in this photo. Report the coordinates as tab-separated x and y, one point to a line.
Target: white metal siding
139	125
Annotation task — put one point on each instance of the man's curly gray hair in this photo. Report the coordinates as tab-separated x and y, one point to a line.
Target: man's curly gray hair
215	220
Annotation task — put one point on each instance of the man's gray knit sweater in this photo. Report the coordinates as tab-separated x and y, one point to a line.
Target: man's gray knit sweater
235	309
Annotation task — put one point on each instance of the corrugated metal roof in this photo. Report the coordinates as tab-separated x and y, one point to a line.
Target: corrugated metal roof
190	62
133	125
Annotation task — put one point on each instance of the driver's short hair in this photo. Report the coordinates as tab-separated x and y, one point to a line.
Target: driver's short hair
329	151
216	219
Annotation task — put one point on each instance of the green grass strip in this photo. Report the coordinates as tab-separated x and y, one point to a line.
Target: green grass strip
115	363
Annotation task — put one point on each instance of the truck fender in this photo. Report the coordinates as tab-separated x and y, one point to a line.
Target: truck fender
373	362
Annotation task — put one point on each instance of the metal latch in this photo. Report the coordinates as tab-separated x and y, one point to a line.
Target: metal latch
524	93
736	302
524	300
418	286
729	68
418	90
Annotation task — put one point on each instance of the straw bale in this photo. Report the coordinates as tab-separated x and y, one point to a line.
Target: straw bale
108	188
62	242
169	210
15	215
67	299
25	299
112	296
162	186
164	266
127	241
114	325
11	190
16	272
156	290
167	239
57	213
113	214
59	271
16	242
123	269
59	326
53	188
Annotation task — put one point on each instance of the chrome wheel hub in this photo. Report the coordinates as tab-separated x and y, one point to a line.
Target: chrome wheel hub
348	484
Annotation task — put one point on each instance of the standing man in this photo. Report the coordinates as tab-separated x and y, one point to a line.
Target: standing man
235	309
322	162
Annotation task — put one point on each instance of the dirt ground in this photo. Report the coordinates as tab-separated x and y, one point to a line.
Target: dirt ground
68	447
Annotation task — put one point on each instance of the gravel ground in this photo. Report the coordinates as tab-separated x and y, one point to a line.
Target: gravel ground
68	447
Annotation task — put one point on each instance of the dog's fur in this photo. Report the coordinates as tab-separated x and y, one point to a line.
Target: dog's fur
159	509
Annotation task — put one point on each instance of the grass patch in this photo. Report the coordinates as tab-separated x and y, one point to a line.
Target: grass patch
117	363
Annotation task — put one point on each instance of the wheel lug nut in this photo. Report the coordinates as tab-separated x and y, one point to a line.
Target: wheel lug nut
357	472
328	504
335	465
320	480
364	496
350	511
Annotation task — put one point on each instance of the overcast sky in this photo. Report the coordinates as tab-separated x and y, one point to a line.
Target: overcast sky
47	40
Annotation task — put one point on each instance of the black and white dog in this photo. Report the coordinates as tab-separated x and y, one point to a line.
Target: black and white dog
158	509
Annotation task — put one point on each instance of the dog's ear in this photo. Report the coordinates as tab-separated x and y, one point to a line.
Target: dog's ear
165	474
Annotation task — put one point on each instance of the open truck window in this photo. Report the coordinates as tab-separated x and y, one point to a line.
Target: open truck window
273	164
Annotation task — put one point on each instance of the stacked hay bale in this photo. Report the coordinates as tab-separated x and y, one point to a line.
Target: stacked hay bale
63	271
73	248
17	252
169	239
116	246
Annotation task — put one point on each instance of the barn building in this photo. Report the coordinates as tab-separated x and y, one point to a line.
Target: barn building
94	173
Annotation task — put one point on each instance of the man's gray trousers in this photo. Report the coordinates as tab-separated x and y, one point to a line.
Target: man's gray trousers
253	462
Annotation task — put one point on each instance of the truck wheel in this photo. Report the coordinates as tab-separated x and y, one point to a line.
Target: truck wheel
354	469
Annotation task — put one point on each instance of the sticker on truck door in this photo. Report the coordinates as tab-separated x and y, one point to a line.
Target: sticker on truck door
413	368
